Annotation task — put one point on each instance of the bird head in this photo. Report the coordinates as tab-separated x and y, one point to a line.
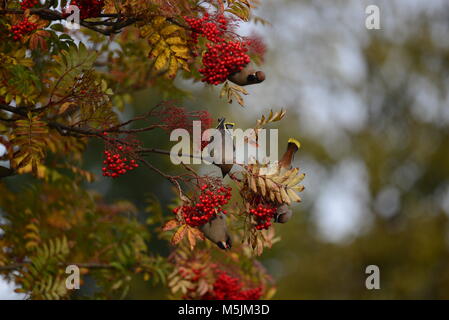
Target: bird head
256	77
225	245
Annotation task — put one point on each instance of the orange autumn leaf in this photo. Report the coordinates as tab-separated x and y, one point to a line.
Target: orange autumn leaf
191	237
179	235
170	225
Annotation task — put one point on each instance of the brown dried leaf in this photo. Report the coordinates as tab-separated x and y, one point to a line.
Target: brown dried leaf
293	196
262	186
285	197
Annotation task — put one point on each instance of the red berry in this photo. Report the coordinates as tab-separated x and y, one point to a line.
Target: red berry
115	165
27	4
88	8
22	28
209	204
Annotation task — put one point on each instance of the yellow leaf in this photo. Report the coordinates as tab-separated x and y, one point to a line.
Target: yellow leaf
153	39
175	41
158	49
162	60
170	29
146	31
172	68
181	51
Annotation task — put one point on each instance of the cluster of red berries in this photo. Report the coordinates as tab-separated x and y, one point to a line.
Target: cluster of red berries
24	27
115	165
263	215
27	4
223	59
88	8
211	30
176	117
209	205
230	288
256	46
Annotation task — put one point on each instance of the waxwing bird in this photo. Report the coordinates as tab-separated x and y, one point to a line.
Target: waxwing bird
284	212
247	76
227	153
293	146
216	231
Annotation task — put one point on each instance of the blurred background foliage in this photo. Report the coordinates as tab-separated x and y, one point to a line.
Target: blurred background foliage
371	109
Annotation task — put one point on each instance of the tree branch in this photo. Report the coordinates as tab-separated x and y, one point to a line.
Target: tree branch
53	15
113	27
87	265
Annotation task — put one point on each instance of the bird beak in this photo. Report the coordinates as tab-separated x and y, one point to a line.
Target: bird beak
223	245
260	76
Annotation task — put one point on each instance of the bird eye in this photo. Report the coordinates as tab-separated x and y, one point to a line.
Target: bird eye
252	78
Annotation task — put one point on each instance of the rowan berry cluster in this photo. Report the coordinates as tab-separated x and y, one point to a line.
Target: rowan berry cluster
229	288
223	57
210	203
88	8
263	215
174	117
115	165
207	27
256	46
22	28
27	4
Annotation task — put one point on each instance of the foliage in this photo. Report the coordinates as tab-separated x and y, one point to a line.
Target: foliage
57	94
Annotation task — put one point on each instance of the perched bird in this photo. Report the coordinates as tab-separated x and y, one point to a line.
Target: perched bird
216	231
247	76
227	154
284	212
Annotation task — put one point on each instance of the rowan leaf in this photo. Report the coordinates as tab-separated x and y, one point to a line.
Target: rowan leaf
179	234
170	225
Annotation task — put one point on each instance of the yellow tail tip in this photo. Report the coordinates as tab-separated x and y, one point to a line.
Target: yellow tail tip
229	123
294	141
